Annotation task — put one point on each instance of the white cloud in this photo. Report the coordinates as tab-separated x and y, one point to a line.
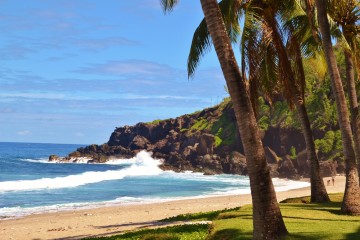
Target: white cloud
24	132
136	67
33	95
79	134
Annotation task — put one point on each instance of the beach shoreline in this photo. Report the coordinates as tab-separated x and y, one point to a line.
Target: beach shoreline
104	221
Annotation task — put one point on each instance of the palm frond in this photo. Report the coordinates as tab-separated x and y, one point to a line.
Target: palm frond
201	42
200	45
168	5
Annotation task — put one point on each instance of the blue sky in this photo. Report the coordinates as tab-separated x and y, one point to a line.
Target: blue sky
72	71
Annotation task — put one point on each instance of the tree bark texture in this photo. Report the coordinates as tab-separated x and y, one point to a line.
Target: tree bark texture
354	106
267	219
351	202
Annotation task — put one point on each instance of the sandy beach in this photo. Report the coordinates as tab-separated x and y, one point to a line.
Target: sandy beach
79	224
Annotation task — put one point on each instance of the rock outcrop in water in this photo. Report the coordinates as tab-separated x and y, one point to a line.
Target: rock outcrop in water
206	141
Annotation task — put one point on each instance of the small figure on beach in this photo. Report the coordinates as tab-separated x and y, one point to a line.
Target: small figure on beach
333	180
328	182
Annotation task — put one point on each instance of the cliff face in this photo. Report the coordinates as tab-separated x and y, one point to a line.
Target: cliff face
205	141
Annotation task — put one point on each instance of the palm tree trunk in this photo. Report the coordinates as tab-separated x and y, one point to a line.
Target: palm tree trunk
309	8
267	219
351	203
354	106
318	190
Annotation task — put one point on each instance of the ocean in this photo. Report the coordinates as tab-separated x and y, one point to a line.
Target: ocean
29	184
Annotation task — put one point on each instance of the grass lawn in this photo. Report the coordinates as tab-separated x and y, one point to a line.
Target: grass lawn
303	220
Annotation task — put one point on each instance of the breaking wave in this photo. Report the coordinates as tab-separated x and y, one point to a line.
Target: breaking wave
141	165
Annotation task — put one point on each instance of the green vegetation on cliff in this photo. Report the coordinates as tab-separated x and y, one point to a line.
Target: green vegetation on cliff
219	120
218	123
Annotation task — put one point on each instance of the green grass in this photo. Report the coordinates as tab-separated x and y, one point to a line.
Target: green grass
209	216
218	141
199	125
303	220
155	122
184	232
224	129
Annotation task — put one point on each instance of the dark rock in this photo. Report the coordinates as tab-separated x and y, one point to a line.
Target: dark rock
75	154
303	163
139	142
122	136
190	152
270	155
206	144
340	169
281	140
328	168
235	164
287	169
273	170
162	146
54	158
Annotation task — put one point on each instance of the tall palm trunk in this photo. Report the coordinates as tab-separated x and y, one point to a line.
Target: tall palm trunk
267	219
351	203
354	106
318	190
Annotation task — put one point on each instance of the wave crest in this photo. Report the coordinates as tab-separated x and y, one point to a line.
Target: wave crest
141	165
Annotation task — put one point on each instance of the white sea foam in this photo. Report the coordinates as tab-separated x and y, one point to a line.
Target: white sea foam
84	160
36	160
285	185
16	212
142	165
225	178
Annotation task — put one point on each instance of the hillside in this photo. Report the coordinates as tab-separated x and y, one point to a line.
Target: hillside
206	141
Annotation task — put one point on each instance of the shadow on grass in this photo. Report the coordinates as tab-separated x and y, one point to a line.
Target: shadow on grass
147	224
168	233
307	237
331	207
354	235
199	216
230	234
324	220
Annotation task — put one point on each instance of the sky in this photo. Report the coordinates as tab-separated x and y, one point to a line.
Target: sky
72	71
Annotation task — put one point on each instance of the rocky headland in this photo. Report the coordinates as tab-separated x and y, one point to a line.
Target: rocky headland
206	141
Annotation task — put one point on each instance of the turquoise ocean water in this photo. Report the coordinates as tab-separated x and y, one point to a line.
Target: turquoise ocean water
30	184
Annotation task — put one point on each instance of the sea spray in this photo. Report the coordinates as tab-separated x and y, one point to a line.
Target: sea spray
143	165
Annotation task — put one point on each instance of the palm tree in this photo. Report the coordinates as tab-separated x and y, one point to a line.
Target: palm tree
351	203
293	83
267	219
346	14
267	61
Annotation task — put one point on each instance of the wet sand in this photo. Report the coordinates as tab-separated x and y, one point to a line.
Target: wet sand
105	221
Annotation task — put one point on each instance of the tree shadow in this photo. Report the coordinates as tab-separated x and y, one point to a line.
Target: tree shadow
331	207
162	233
324	220
199	216
230	234
307	237
147	224
354	235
